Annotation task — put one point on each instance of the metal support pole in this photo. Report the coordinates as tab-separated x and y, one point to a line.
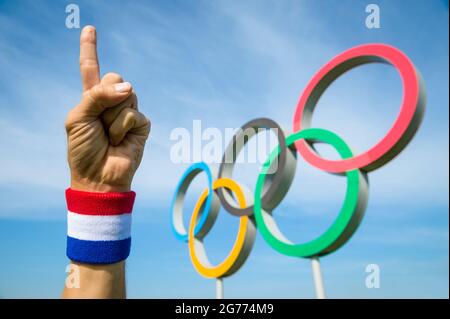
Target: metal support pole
219	288
318	281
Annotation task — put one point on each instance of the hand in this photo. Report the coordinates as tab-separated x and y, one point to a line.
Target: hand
106	133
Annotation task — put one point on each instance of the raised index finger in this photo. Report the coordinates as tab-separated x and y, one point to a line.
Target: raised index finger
89	68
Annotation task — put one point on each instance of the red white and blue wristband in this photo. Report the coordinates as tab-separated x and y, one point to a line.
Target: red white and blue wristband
98	226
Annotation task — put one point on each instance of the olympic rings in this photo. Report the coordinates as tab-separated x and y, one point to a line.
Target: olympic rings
402	131
207	219
343	227
279	182
244	239
271	188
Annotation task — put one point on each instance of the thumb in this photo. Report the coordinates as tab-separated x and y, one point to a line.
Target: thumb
103	96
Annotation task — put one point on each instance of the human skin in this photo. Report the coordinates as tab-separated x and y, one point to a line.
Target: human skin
106	135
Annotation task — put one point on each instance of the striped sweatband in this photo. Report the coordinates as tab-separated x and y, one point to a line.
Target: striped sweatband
98	226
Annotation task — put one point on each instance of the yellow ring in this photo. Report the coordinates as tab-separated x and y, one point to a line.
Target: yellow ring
225	267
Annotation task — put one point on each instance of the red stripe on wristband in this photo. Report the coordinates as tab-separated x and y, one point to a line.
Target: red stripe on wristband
90	203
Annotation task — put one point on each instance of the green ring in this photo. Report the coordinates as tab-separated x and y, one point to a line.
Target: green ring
344	225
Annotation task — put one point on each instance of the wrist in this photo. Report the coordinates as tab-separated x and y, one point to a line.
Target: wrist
98	281
88	186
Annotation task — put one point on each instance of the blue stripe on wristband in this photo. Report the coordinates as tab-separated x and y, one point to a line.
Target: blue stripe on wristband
98	252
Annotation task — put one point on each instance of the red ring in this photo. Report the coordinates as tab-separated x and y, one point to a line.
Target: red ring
399	134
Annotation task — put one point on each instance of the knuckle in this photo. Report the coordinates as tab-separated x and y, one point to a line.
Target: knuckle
96	92
147	121
112	77
147	125
88	62
69	121
130	116
67	124
142	118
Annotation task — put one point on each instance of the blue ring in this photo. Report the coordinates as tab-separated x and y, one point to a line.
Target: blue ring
191	173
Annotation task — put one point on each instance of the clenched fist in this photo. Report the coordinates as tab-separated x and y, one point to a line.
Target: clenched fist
106	133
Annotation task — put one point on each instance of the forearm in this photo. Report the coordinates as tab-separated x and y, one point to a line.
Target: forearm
98	281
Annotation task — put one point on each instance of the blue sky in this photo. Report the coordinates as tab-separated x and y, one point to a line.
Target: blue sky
224	63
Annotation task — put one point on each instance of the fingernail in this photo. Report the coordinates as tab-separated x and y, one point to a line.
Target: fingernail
89	28
88	34
122	87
